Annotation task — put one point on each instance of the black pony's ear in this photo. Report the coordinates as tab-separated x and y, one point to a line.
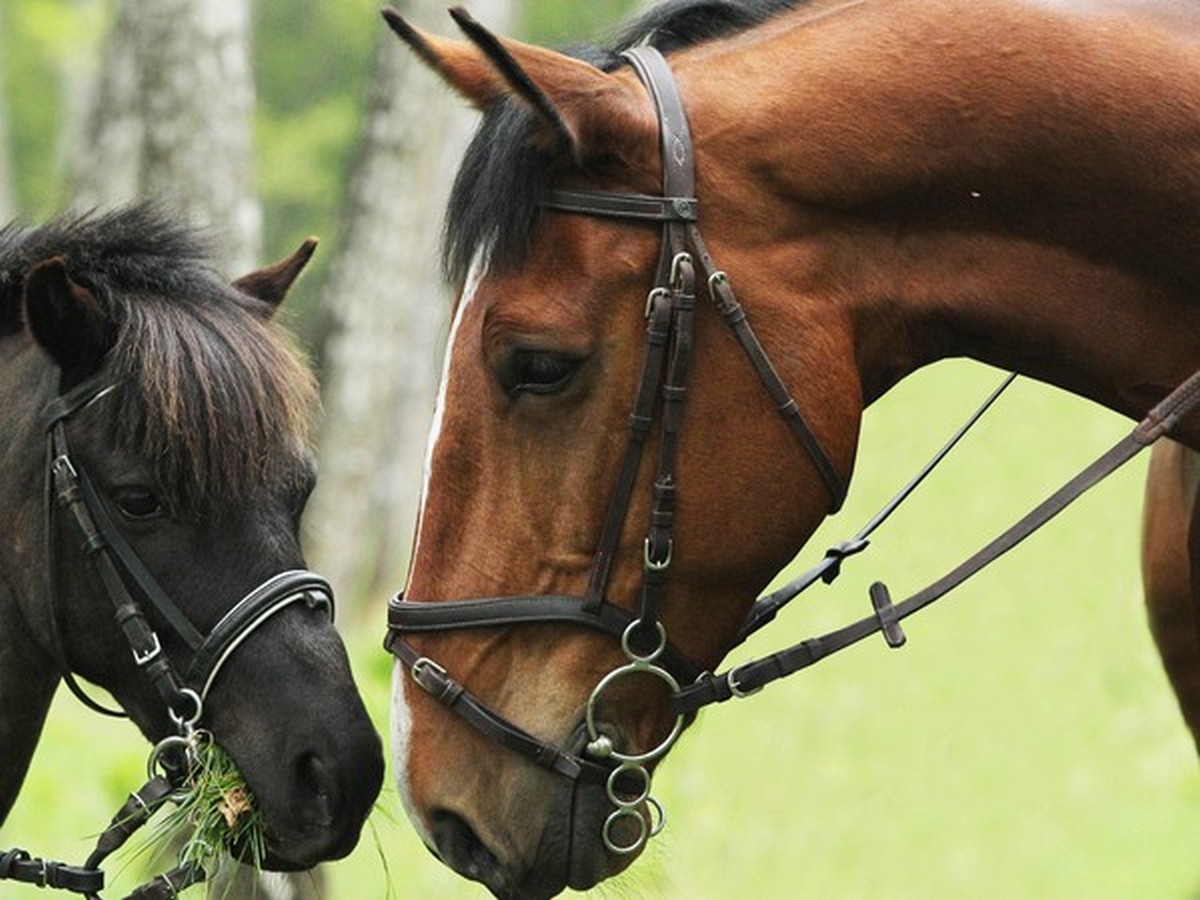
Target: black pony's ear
65	318
582	111
272	283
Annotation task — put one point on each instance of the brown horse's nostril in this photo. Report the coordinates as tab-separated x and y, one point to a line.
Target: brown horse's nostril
461	849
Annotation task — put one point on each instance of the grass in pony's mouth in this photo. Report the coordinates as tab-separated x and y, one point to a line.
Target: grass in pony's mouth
215	816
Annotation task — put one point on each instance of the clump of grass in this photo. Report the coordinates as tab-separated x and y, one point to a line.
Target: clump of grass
216	815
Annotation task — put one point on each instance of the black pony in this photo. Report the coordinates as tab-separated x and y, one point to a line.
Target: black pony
144	395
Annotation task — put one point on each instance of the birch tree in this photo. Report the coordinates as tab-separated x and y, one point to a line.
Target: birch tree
386	304
171	119
8	203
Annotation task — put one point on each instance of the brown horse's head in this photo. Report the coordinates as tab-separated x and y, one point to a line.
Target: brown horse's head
541	372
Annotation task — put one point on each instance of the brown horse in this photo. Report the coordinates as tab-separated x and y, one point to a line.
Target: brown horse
886	183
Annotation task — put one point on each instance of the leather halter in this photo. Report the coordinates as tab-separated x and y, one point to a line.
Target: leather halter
126	578
662	387
126	581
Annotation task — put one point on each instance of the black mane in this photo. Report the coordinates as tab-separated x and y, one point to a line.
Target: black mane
210	392
494	203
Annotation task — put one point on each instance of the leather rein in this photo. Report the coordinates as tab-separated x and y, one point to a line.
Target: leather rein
669	311
126	581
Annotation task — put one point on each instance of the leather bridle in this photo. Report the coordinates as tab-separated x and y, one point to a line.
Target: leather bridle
662	387
669	311
132	589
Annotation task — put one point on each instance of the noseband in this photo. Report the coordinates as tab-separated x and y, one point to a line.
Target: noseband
669	311
132	589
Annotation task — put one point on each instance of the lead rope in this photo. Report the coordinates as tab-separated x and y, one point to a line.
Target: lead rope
168	768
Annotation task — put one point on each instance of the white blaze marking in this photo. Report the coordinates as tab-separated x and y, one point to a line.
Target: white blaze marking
474	276
401	718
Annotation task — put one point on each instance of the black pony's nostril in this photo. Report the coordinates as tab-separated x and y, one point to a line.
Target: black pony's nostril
317	791
461	849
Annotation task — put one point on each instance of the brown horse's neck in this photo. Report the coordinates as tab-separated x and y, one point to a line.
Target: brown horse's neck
991	179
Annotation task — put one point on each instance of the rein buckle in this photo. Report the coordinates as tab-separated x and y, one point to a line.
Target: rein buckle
736	689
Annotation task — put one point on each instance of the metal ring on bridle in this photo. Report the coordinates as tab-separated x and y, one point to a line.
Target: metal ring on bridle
170	742
615	816
611	785
652	298
187	723
647	658
658	826
631	669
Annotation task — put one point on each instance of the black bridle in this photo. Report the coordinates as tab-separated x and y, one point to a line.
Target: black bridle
132	590
669	311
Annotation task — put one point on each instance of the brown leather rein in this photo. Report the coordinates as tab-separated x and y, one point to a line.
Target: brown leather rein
669	311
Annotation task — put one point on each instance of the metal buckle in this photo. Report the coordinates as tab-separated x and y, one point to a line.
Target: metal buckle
734	688
425	664
142	658
652	298
657	565
677	265
62	464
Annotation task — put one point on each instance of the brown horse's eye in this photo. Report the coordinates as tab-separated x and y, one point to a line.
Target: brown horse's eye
538	372
137	502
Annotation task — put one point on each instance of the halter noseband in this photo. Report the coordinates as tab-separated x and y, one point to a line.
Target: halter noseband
662	387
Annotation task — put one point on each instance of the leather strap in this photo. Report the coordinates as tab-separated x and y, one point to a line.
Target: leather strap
18	865
249	614
437	682
767	607
752	676
74	494
494	612
735	316
641	419
644	207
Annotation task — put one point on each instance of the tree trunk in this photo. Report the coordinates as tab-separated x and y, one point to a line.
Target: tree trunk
172	120
386	304
8	200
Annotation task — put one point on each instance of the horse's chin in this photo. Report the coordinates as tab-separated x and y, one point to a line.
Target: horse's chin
589	862
570	852
293	856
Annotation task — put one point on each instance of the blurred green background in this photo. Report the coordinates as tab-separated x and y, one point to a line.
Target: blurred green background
1023	744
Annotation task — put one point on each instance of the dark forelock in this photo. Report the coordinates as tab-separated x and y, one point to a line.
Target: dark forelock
495	200
209	391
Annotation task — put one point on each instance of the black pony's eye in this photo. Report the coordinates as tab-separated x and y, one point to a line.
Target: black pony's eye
538	372
137	502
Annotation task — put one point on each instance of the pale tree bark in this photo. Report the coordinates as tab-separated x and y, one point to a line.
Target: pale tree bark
8	200
387	305
171	120
167	115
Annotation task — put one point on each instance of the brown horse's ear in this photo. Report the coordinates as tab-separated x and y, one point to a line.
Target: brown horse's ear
583	110
271	284
65	318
